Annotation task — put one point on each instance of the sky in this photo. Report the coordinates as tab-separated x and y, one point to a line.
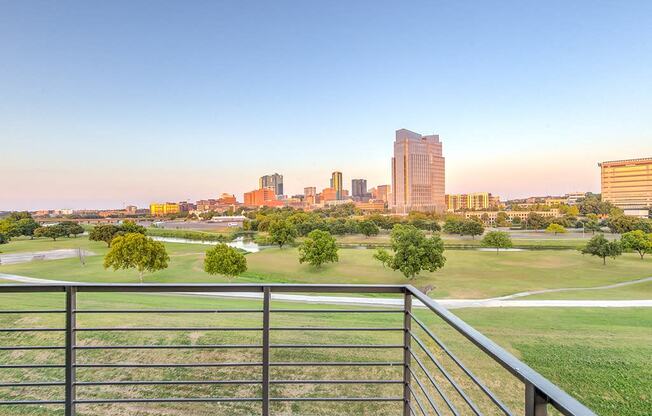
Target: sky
104	104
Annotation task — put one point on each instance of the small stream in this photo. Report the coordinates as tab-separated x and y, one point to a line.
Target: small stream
247	245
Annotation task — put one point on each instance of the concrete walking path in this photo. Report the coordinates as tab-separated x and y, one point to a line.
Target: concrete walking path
390	302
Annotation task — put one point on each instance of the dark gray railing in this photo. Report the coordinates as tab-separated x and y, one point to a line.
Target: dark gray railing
539	392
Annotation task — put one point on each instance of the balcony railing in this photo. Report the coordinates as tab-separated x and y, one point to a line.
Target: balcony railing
424	384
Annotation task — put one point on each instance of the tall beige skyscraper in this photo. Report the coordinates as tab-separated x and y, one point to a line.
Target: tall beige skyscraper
627	183
418	173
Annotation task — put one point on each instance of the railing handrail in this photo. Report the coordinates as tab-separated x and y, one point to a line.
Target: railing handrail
539	387
561	400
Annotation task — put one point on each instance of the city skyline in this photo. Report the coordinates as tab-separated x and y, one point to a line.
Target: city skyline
96	115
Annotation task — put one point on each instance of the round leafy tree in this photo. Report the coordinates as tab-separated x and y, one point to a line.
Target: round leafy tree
497	240
318	248
368	228
412	251
106	233
281	232
601	247
135	251
225	260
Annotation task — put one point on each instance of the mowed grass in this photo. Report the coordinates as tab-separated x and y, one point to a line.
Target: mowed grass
467	273
521	240
599	356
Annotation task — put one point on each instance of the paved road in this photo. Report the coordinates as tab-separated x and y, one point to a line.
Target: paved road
64	253
388	302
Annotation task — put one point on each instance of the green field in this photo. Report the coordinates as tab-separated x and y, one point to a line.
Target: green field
601	358
467	274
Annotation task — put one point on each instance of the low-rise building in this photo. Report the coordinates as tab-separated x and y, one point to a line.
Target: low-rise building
261	197
490	216
371	206
158	209
472	201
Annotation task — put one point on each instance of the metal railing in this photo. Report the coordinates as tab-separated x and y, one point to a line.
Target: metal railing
428	387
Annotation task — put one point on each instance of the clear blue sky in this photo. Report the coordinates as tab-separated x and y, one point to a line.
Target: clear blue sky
132	101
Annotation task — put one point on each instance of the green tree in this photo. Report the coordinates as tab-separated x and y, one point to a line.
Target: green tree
497	240
601	247
281	232
106	233
128	226
318	248
368	228
502	220
136	251
27	226
555	228
225	260
638	241
72	228
3	239
535	221
52	231
472	227
592	225
412	251
453	226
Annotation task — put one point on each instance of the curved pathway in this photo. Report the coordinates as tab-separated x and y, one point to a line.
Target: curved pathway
389	302
572	289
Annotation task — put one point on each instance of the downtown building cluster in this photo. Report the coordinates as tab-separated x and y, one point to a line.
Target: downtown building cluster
418	175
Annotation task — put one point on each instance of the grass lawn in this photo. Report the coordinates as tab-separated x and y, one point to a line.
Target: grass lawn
534	241
599	356
467	274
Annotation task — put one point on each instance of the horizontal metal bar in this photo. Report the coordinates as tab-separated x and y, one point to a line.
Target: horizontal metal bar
299	328
163	365
163	382
336	381
336	346
339	364
32	329
24	288
34	384
336	311
32	366
34	311
561	400
31	402
336	399
31	347
169	400
203	287
152	328
207	311
156	347
468	372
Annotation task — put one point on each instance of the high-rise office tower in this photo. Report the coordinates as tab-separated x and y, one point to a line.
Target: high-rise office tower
274	181
358	188
417	173
627	183
336	183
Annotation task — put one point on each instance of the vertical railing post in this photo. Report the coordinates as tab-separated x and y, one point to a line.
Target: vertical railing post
535	402
265	381
71	305
407	338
